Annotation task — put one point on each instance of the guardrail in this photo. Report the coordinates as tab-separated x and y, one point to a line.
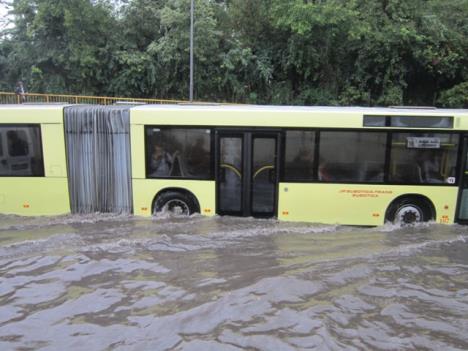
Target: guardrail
12	98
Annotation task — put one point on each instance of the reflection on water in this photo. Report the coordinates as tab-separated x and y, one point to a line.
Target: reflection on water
105	282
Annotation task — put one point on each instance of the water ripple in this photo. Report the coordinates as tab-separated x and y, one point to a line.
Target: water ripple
103	282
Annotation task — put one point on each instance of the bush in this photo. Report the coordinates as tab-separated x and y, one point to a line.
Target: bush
456	97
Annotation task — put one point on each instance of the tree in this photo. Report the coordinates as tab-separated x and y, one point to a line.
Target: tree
62	46
328	52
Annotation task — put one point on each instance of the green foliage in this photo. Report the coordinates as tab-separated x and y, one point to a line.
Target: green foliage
328	52
61	46
456	96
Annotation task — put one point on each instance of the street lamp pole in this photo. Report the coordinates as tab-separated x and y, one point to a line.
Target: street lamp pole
191	51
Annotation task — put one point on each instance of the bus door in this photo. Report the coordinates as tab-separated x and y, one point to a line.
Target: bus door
247	173
462	215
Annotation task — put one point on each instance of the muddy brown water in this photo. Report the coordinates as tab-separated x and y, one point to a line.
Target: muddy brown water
103	282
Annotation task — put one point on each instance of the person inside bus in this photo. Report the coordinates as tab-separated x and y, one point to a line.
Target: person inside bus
161	162
324	171
198	158
16	145
430	167
304	163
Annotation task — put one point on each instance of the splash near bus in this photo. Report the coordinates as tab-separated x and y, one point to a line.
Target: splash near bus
335	165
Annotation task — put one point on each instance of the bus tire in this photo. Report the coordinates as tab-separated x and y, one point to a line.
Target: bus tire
176	202
409	210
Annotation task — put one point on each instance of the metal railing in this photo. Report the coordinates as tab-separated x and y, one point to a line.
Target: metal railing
12	98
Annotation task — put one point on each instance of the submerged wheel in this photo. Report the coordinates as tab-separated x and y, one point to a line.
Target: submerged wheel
177	203
409	211
408	214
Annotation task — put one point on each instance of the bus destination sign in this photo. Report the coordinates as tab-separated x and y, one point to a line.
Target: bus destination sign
423	143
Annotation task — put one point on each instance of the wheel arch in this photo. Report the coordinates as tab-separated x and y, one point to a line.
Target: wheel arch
412	196
174	189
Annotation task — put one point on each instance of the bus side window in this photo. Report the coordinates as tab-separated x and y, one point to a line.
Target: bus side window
427	158
346	156
21	151
299	158
178	152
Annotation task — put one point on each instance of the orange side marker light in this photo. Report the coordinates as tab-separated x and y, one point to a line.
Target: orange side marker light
444	219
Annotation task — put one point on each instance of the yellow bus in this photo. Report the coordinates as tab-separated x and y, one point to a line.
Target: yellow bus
33	173
338	165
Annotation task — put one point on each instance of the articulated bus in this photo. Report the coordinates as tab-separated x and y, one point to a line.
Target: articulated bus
336	165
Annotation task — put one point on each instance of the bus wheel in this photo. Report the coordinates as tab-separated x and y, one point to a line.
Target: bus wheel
409	210
176	202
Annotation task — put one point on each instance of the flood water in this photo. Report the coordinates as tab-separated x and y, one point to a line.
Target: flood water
104	282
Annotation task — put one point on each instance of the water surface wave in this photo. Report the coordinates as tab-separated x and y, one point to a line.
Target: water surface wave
101	282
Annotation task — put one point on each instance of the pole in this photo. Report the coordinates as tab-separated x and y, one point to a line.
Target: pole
191	51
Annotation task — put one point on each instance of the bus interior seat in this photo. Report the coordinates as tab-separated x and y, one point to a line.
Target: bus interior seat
175	168
407	173
371	172
178	168
432	175
341	171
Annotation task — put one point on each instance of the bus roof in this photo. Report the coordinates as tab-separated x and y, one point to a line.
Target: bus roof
313	109
32	113
279	116
35	106
233	115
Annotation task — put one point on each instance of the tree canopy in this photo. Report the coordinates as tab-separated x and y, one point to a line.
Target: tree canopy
307	52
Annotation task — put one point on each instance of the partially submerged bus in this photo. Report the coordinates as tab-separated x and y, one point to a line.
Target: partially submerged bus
340	165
